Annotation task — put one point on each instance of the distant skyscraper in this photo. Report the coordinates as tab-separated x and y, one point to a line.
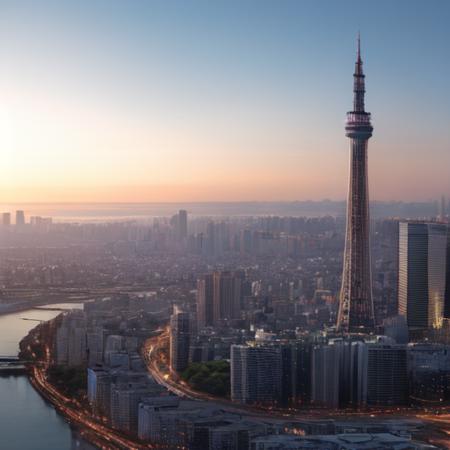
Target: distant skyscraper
205	301
182	224
179	340
210	240
424	257
443	209
6	218
20	218
356	305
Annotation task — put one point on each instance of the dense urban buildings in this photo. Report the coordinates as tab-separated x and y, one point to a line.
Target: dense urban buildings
254	323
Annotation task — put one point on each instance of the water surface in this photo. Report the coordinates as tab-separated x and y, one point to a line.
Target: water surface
27	422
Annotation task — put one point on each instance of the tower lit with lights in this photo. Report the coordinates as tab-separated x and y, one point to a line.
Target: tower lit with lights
356	311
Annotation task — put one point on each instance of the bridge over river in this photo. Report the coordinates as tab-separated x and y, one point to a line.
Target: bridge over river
11	365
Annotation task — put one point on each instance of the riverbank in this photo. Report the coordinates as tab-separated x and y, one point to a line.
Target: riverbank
92	431
27	420
70	408
12	308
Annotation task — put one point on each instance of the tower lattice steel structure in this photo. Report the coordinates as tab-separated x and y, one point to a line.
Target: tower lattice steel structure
356	304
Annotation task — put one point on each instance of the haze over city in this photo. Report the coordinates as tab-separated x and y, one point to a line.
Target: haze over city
218	101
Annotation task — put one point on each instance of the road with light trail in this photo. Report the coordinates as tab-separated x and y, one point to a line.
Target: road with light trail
151	353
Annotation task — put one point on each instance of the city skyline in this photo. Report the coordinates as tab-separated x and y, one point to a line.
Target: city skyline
189	255
218	102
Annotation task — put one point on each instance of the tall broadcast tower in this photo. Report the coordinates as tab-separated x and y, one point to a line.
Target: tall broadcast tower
355	303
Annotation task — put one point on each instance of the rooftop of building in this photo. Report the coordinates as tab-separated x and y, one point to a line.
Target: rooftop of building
350	441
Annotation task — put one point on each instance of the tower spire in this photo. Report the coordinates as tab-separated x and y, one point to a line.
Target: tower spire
358	81
359	47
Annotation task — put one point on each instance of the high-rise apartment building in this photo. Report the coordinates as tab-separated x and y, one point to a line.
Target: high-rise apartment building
302	382
255	373
356	310
205	301
227	296
94	343
71	340
125	399
339	374
179	340
99	390
387	376
358	374
325	376
288	374
424	275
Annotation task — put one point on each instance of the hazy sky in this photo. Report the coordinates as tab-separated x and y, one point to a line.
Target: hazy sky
219	100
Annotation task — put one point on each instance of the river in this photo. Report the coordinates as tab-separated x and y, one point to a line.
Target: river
27	422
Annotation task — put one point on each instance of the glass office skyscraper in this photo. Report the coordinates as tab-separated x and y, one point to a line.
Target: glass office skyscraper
424	259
